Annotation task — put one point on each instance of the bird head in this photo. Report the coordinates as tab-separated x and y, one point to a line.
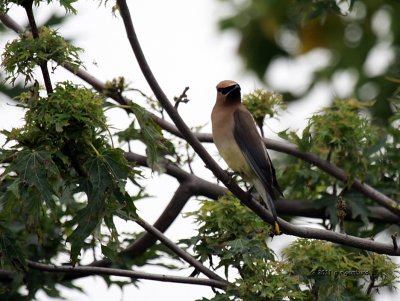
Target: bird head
228	90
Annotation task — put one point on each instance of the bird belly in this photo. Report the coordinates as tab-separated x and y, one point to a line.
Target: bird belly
233	156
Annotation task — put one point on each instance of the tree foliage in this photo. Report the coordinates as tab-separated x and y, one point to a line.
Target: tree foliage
350	32
64	178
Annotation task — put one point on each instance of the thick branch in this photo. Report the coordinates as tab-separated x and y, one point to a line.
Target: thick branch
335	171
220	174
125	273
283	206
300	208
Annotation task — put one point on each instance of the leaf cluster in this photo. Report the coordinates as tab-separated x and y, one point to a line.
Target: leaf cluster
150	134
232	235
345	136
263	103
22	55
310	270
347	30
341	132
142	128
66	4
63	180
333	273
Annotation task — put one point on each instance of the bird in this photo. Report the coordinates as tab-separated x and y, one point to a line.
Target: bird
240	144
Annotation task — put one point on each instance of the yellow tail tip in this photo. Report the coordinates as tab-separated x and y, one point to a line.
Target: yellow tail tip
277	229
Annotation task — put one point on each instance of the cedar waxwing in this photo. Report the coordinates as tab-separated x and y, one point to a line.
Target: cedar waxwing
240	144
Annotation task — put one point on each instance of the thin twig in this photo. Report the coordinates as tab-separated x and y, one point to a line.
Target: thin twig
341	213
178	251
27	4
394	240
182	98
371	284
86	270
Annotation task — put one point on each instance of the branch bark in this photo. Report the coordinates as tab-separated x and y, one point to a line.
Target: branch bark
178	251
86	270
199	186
221	174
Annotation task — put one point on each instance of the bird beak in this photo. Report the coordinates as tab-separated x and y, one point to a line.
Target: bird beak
235	88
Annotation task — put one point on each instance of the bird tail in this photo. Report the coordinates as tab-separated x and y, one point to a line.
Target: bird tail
269	201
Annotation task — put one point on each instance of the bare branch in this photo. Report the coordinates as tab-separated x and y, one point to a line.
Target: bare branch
178	251
221	174
170	213
182	98
10	23
27	4
306	209
86	270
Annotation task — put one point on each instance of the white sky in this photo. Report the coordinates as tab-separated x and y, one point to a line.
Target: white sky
183	46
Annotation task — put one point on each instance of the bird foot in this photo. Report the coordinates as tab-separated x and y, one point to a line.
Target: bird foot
231	174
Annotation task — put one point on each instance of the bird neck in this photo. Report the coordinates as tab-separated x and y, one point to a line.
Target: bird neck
229	101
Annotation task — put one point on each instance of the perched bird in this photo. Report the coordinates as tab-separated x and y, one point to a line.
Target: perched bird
240	144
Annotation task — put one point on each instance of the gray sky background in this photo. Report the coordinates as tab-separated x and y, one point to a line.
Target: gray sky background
183	46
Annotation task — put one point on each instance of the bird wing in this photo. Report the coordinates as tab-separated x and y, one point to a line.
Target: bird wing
253	149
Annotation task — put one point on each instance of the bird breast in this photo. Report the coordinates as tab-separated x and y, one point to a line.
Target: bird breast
222	129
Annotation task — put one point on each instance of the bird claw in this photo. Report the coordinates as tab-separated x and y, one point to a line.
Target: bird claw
230	174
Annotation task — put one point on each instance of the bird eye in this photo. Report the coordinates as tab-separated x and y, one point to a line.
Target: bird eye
225	90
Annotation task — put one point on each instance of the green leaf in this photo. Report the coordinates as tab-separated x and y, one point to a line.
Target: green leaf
37	169
87	219
67	4
107	173
12	255
150	134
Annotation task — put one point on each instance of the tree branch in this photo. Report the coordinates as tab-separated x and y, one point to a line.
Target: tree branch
178	251
211	190
195	185
170	213
221	174
27	4
86	270
146	240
